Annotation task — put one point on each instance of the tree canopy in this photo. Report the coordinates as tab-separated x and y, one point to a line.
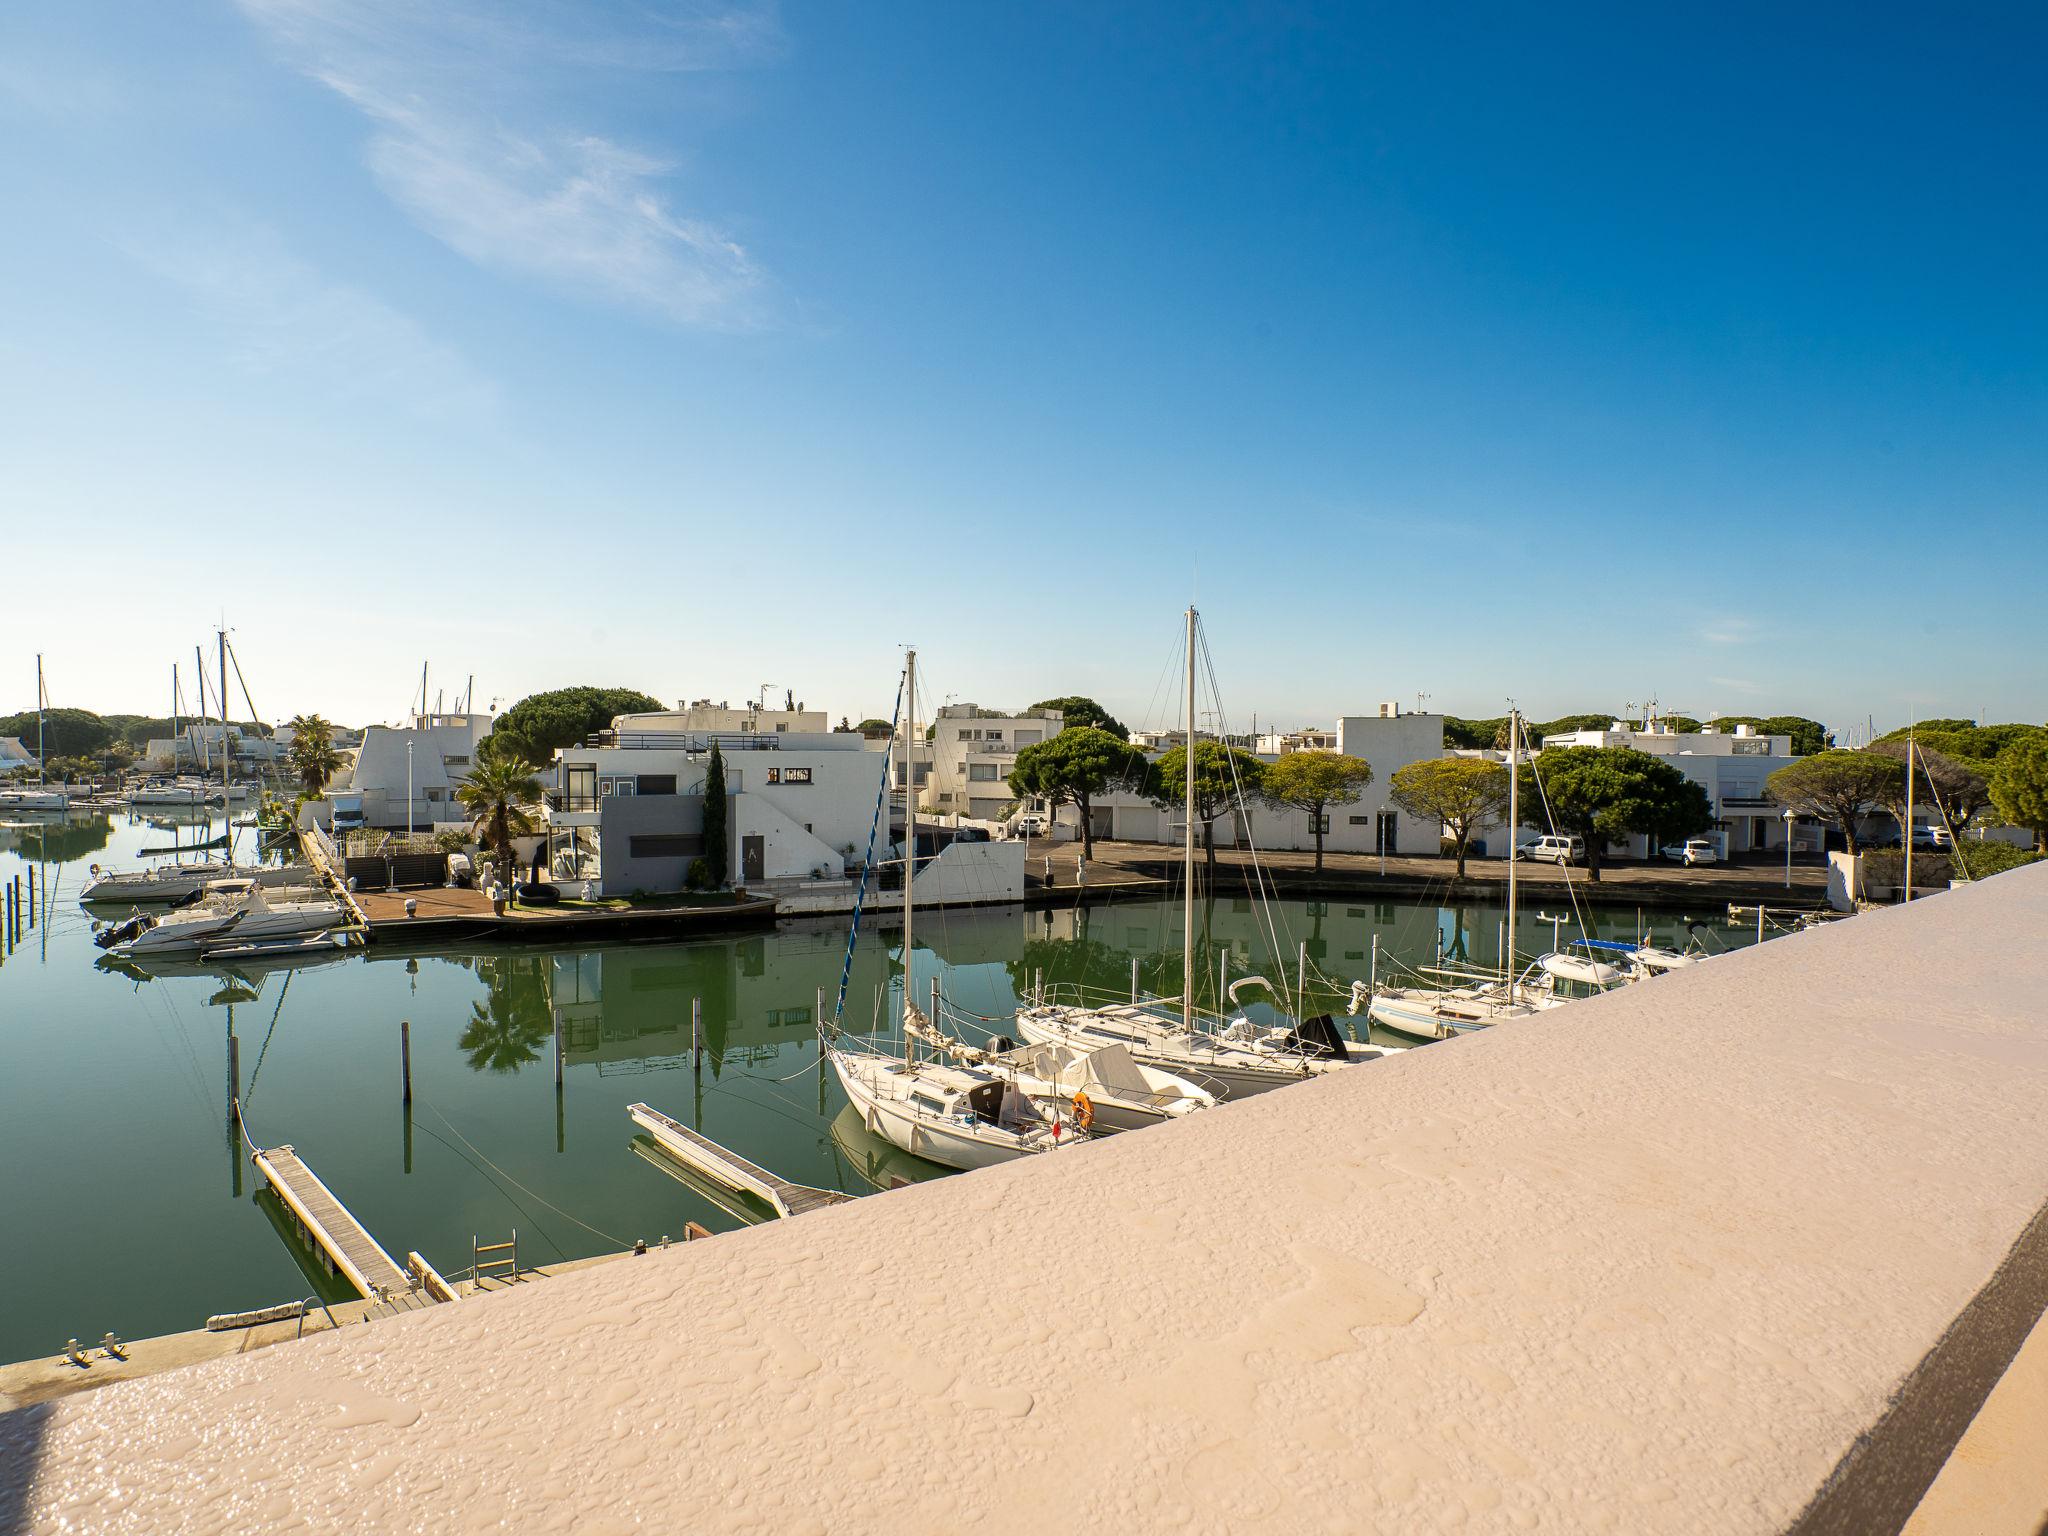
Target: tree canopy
1463	794
717	839
2019	788
1958	789
1603	794
66	732
312	755
1077	709
542	723
1221	774
1313	782
1838	787
499	788
1807	735
1073	767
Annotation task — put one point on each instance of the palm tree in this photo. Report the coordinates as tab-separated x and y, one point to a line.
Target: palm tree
496	794
314	757
506	1030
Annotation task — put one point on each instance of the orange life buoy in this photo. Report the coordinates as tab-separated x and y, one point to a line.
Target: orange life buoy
1084	1111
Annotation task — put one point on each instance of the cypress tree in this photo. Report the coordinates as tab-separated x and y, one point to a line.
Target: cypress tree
715	852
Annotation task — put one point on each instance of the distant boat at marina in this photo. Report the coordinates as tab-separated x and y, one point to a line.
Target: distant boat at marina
1231	1057
236	907
42	797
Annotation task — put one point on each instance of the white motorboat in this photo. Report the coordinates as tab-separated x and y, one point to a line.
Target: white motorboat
961	1116
171	883
233	911
38	799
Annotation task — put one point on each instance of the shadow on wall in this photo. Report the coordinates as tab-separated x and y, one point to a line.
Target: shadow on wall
21	1450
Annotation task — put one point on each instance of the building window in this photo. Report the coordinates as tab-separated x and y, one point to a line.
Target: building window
580	789
666	845
1361	821
981	773
963	734
995	735
455	760
774	775
655	784
796	775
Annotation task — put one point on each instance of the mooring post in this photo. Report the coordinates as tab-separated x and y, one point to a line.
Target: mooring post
697	1032
821	1023
234	1081
405	1057
1038	986
31	901
558	1050
1134	978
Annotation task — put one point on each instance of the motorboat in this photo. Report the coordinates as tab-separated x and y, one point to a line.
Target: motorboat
237	907
172	883
39	798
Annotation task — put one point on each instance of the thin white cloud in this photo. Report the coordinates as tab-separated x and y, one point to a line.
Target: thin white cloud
467	142
1737	685
1728	629
280	317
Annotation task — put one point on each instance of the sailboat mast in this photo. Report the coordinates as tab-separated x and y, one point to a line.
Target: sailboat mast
224	755
42	772
176	727
1514	823
1909	815
909	825
1187	857
199	671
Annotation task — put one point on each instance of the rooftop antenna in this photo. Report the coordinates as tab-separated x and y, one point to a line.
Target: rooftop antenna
1422	698
765	687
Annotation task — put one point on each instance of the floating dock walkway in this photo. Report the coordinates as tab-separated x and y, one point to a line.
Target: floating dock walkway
707	1157
355	1255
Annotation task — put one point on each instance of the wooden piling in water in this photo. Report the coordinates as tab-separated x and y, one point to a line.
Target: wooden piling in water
234	1081
697	1032
558	1050
405	1057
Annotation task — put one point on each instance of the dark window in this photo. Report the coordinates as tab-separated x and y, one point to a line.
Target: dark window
665	845
655	784
579	790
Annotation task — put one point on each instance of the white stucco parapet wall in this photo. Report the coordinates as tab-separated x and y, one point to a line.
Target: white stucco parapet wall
1651	1265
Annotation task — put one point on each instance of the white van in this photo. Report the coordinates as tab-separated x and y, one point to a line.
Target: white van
1554	850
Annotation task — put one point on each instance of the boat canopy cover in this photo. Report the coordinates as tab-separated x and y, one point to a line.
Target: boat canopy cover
1578	968
1616	945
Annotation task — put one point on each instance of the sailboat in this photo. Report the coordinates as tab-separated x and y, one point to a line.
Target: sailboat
1230	1057
42	797
958	1115
1460	1000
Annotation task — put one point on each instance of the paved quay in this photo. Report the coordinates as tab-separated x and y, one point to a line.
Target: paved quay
1745	1249
444	912
1130	868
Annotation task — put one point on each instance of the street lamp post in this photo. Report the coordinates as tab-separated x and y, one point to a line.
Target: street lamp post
408	792
1790	818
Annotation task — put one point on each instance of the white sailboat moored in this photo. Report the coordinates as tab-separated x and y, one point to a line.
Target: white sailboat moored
960	1116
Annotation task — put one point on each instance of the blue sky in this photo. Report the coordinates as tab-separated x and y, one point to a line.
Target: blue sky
1581	356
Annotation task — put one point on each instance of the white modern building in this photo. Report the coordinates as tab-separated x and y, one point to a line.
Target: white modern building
15	755
196	748
627	809
430	756
972	753
1732	766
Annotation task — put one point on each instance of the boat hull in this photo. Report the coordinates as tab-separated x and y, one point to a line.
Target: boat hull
1225	1078
953	1146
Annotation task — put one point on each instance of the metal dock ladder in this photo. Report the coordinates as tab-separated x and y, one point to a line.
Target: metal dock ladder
698	1151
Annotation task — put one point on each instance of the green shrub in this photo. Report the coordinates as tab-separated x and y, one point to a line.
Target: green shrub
1994	858
698	876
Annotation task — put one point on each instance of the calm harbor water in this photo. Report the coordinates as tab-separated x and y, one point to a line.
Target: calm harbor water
129	1204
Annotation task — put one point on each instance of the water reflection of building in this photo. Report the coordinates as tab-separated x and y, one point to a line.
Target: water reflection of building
627	1007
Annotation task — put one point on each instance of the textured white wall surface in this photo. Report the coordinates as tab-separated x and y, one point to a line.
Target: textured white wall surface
1650	1265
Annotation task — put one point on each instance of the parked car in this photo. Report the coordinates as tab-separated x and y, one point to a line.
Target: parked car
1554	850
1694	850
1029	824
1943	838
